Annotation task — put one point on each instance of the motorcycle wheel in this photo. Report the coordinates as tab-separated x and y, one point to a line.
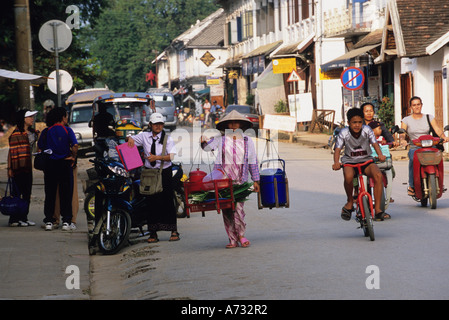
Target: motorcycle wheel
433	191
368	221
120	224
89	206
180	204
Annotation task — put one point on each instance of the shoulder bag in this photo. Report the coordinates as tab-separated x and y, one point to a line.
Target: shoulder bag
433	133
11	205
151	179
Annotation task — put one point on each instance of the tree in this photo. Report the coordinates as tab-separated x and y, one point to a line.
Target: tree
76	59
130	32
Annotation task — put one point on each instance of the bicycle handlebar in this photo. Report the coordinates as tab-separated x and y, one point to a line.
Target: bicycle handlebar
357	165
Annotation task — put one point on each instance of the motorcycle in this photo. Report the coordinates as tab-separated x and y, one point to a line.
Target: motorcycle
112	228
215	118
428	171
333	138
95	174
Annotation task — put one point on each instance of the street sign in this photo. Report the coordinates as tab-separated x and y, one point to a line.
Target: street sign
294	76
65	85
50	38
352	78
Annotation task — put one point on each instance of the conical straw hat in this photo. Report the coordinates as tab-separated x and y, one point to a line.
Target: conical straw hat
234	115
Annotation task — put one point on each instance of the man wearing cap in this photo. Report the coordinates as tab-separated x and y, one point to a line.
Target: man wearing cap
20	169
161	213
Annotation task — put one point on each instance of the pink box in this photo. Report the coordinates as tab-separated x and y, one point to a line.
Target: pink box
130	157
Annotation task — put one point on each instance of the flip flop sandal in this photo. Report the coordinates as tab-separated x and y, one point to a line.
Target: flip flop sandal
244	242
174	237
411	191
231	245
379	216
346	213
153	238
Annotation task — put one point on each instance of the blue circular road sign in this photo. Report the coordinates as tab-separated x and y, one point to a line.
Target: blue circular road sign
352	78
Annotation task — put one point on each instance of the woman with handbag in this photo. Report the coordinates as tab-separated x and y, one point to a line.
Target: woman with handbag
159	150
20	169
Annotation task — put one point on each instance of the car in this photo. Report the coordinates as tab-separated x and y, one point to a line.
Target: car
79	105
79	118
165	104
248	111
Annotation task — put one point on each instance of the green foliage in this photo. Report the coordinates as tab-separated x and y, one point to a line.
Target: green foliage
76	60
281	106
131	33
386	112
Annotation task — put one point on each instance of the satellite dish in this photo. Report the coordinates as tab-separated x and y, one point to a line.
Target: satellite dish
66	82
63	35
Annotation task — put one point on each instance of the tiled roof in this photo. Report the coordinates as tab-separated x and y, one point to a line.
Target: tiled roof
372	38
213	35
422	22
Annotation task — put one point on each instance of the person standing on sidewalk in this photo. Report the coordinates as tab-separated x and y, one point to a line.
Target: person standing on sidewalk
21	142
58	170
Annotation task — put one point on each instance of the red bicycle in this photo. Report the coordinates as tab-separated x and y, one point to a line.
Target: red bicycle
364	203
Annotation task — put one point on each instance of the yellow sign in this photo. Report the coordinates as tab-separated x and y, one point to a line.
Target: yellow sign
207	58
284	65
213	81
330	74
233	74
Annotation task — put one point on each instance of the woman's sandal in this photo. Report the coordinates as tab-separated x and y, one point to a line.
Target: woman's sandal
153	238
174	236
231	245
410	191
244	242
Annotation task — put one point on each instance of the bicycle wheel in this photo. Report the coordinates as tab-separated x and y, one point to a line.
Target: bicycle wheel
120	227
368	221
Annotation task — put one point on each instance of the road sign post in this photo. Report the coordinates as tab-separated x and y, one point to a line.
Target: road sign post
294	77
352	79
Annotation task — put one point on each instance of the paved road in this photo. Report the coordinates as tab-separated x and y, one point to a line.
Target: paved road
303	252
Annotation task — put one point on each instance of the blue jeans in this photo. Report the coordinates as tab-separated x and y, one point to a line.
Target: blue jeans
411	152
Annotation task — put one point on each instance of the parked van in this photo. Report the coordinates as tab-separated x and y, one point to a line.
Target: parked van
79	105
165	104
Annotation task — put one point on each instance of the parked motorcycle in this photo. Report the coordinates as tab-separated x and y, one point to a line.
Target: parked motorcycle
428	171
112	228
94	175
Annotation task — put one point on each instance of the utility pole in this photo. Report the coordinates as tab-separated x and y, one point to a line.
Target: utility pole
24	54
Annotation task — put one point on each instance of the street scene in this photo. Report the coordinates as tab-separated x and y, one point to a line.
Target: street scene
302	252
241	151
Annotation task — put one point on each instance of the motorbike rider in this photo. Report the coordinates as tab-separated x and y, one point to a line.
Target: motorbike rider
214	110
416	125
103	127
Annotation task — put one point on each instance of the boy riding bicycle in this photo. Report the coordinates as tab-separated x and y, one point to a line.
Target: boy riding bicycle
357	139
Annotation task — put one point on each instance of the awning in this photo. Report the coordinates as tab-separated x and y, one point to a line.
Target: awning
268	79
19	75
263	50
344	60
293	49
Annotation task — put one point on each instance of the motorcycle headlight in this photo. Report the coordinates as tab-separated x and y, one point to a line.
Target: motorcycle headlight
119	171
427	143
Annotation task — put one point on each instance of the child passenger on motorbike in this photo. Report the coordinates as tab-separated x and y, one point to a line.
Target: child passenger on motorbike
357	139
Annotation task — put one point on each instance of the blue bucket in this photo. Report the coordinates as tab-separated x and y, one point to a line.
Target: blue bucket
273	186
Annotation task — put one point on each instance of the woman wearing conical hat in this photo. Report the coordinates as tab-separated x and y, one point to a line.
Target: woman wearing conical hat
237	158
